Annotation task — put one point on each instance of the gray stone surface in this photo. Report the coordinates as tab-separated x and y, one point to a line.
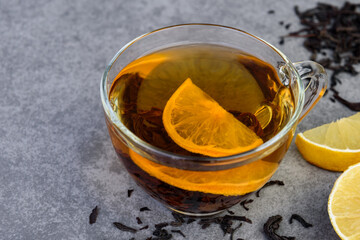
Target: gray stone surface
56	158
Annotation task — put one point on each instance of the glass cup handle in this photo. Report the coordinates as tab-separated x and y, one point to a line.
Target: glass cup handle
315	81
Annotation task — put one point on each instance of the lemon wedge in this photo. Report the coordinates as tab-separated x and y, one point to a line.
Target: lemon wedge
197	123
344	204
334	146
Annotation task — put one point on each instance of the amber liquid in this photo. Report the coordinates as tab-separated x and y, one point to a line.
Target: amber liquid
242	84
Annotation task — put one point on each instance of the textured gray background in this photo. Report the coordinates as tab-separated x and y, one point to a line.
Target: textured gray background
56	158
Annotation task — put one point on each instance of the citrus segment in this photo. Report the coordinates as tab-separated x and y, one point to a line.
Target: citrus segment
235	181
344	204
334	146
197	123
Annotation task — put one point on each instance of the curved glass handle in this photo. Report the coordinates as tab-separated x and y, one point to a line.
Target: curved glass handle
314	76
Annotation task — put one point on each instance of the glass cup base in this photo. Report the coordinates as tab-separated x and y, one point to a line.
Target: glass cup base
190	214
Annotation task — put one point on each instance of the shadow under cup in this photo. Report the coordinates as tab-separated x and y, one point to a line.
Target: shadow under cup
208	178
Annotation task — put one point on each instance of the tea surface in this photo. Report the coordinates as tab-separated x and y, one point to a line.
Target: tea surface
242	84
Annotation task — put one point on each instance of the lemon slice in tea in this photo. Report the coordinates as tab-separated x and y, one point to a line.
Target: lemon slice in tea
197	123
234	181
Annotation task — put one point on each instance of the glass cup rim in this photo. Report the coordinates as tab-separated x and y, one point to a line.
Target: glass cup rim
244	155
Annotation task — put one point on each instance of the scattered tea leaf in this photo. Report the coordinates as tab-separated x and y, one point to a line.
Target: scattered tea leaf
300	220
93	215
333	32
271	226
271	12
190	220
175	224
230	212
144	227
225	222
270	183
245	202
238	218
179	232
162	234
124	228
282	41
130	192
178	217
355	106
144	209
179	220
206	222
138	220
234	230
205	225
161	225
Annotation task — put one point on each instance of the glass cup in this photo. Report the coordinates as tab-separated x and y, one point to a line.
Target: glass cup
195	185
